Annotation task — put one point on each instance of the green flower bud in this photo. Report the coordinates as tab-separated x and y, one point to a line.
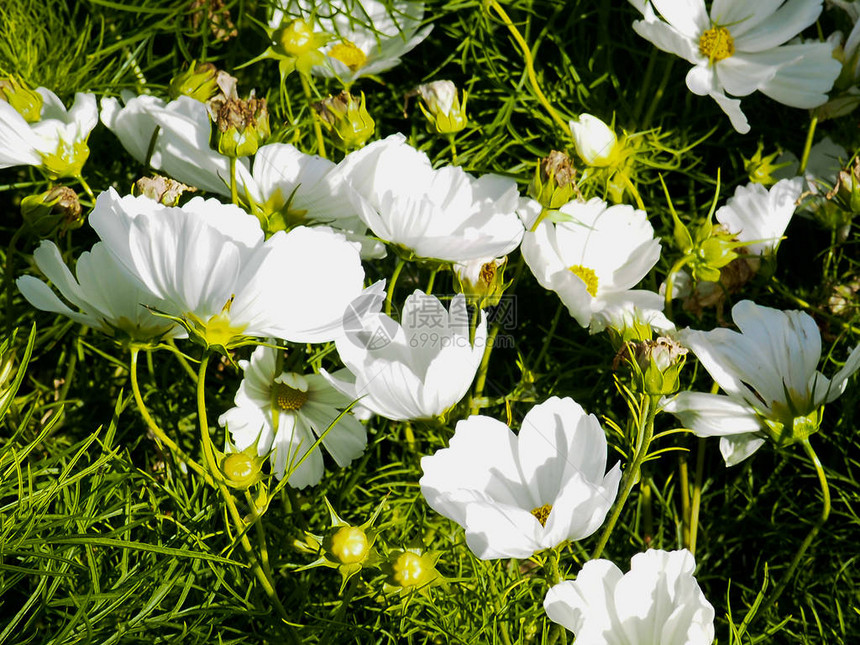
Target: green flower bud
411	569
27	102
445	112
242	126
760	169
346	118
347	545
54	211
243	469
297	38
199	82
554	183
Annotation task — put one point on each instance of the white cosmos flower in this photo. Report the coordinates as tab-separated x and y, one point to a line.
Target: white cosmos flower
209	263
443	214
177	134
57	142
370	35
759	215
769	373
303	188
738	48
286	412
519	494
657	601
108	297
593	259
595	141
413	370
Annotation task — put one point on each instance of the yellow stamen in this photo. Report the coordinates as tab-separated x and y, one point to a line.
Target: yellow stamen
716	43
541	513
588	276
348	54
289	398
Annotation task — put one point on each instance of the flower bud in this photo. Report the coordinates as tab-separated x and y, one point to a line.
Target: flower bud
199	82
346	118
656	364
760	169
243	469
242	126
347	544
27	102
411	569
596	143
482	281
297	38
54	211
554	183
442	107
163	190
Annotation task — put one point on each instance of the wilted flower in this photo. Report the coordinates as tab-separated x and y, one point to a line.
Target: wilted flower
769	374
657	601
482	281
413	370
107	296
57	142
739	48
366	37
347	119
216	275
283	414
593	259
516	495
163	190
444	214
242	125
54	211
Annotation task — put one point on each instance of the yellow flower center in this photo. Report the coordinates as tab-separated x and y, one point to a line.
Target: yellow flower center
716	44
348	54
349	545
588	276
541	513
289	398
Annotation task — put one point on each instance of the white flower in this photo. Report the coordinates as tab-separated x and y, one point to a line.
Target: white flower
413	370
739	48
286	412
371	35
209	264
760	216
768	371
302	188
57	142
595	141
443	214
594	259
439	96
516	495
177	135
657	601
109	298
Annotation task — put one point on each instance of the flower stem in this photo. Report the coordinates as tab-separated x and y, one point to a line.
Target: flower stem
686	511
234	194
798	556
658	94
810	135
431	281
697	494
154	427
263	576
631	475
453	150
670	278
306	88
528	59
502	624
391	283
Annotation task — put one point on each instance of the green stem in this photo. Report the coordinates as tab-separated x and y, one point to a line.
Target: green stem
154	427
431	281
646	84
810	135
234	194
631	475
86	187
798	556
391	283
502	624
261	534
453	149
686	511
658	94
239	524
549	336
306	88
530	65
697	493
481	379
